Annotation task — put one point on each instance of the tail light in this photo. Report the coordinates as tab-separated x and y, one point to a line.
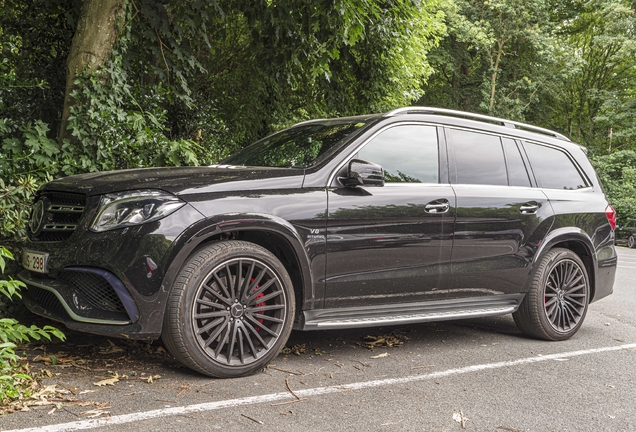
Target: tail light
610	213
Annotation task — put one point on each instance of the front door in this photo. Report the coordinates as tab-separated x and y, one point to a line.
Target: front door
392	244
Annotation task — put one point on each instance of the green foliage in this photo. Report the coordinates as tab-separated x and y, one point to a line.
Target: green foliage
617	172
112	130
493	57
567	66
15	207
595	74
8	288
12	381
255	67
26	160
35	38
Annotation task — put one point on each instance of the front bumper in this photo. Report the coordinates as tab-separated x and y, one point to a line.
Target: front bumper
111	283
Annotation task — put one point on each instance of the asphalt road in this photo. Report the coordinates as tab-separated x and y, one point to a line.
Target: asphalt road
482	371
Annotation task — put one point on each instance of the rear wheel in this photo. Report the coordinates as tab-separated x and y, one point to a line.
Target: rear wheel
230	310
555	306
631	242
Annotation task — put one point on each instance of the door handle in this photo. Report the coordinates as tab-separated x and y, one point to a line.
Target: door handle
437	206
529	208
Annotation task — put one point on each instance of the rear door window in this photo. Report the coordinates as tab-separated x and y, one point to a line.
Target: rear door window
553	169
479	158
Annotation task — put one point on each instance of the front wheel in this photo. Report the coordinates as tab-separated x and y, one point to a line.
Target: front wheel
556	303
631	242
230	310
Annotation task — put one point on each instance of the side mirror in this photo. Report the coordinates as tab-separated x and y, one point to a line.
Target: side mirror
363	173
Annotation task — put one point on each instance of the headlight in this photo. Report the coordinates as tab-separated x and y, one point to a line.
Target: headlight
133	208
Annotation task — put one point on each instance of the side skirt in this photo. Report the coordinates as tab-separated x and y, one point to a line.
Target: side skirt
405	313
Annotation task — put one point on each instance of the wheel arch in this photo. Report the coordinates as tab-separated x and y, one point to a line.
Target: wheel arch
577	241
276	235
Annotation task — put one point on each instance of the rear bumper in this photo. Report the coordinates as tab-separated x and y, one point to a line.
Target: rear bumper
605	275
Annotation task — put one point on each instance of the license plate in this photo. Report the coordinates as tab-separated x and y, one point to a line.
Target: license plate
35	261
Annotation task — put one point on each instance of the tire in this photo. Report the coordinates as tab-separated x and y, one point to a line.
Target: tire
556	303
631	242
224	325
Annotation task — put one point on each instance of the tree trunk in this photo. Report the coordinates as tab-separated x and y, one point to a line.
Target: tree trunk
493	77
92	46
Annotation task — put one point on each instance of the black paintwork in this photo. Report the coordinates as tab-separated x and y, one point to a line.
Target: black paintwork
346	248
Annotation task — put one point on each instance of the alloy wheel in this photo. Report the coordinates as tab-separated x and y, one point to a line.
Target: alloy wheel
565	295
239	311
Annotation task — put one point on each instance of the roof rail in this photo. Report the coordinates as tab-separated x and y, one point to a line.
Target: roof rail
480	117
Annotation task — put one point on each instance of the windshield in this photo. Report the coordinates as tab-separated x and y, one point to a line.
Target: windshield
299	147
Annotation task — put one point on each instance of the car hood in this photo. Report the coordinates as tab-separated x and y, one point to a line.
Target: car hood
181	180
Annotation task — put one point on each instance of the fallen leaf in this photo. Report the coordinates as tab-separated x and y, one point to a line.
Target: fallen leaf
94	413
391	340
111	349
380	356
109	381
296	349
151	379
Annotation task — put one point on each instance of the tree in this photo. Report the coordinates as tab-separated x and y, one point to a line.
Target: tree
617	172
99	24
598	74
491	59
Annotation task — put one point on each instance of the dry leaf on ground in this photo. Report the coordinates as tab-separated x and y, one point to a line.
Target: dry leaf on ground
109	381
391	340
151	379
296	349
110	349
380	356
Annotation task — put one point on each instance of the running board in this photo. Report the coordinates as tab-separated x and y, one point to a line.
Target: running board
406	313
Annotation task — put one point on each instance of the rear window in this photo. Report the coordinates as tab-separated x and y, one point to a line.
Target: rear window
517	173
553	169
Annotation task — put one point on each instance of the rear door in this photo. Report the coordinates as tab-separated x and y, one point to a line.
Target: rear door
392	244
501	215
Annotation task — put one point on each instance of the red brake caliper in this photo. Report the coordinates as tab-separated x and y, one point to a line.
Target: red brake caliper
258	304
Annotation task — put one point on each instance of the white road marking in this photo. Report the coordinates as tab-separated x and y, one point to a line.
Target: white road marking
318	391
625	267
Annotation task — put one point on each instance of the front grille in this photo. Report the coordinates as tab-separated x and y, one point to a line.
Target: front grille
46	299
61	216
95	289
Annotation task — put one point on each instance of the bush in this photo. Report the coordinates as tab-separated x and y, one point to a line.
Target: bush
617	172
14	382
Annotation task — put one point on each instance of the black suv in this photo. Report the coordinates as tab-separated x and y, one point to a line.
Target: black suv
419	214
629	231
